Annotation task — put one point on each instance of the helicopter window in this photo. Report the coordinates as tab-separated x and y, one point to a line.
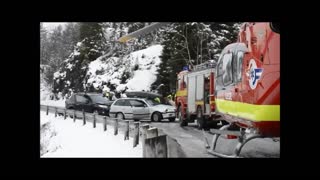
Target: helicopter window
234	68
227	69
239	65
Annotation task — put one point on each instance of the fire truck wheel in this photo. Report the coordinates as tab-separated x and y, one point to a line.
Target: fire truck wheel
183	123
200	123
179	113
156	117
172	119
200	119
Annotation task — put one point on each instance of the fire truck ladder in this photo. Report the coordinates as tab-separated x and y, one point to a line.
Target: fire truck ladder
243	138
205	65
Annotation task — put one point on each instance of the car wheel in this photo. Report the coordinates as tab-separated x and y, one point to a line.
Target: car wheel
156	117
120	116
172	119
71	115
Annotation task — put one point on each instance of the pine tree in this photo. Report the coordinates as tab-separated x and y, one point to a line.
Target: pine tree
44	54
70	37
223	34
191	44
54	51
92	37
74	69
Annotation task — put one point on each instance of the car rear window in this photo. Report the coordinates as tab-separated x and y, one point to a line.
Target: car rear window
137	103
98	98
119	103
122	102
127	103
80	99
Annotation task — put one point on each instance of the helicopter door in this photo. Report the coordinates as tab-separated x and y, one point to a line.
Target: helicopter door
237	73
224	85
237	77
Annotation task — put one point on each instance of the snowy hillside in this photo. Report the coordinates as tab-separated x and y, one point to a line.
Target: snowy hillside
136	71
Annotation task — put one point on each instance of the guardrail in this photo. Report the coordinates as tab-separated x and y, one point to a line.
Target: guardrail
153	145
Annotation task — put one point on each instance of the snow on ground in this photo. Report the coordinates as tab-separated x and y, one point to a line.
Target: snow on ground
114	69
69	139
147	59
45	98
57	103
141	80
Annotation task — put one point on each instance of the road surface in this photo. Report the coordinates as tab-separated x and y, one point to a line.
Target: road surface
192	142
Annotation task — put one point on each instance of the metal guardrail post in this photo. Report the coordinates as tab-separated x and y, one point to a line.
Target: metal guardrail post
74	115
144	129
136	134
126	132
152	132
84	117
104	123
94	120
116	127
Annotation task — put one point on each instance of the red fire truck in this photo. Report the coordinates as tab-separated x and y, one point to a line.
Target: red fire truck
195	94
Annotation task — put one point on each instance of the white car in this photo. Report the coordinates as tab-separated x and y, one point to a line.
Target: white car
138	108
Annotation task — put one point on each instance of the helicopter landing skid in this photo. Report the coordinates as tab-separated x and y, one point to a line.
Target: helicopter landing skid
243	138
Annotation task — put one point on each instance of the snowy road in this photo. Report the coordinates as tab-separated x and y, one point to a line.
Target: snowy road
191	141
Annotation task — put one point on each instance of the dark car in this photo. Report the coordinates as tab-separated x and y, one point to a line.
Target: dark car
89	102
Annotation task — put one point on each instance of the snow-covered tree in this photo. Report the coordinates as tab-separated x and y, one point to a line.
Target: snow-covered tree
56	46
73	74
223	34
70	37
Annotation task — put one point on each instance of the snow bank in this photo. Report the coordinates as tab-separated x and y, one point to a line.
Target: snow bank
75	140
57	103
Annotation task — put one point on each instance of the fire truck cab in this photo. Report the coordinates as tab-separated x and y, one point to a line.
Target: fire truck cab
195	95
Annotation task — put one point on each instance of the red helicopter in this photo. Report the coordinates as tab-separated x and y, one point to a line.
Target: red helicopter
246	84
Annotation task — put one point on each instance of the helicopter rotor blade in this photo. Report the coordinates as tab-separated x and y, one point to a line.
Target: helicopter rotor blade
141	31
